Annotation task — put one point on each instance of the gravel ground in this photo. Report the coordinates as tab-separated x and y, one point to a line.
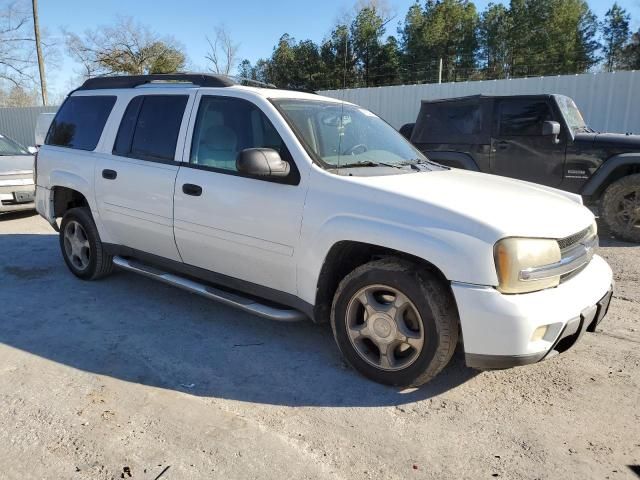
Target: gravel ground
129	378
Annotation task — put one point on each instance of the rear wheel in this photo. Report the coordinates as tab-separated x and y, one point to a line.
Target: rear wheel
81	247
621	208
395	322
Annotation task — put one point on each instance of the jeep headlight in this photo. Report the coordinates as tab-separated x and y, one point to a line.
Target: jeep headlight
514	257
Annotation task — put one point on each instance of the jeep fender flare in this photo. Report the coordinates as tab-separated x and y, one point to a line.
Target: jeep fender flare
458	256
594	185
454	159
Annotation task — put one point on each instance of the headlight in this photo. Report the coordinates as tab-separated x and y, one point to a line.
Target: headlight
513	256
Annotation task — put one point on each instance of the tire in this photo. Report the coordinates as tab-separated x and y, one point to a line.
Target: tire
81	246
620	208
360	331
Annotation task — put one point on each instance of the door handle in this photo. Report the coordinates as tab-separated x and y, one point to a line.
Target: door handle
191	189
109	174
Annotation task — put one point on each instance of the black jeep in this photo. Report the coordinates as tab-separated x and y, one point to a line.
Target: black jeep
539	138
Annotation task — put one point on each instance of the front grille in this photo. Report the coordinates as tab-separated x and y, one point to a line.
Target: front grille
568	242
568	247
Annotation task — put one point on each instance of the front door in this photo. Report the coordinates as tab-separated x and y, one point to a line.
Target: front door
518	148
134	185
243	227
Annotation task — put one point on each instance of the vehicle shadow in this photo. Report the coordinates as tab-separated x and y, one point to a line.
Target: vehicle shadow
137	330
6	216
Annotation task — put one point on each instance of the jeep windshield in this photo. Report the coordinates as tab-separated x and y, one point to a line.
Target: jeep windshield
340	135
10	148
571	114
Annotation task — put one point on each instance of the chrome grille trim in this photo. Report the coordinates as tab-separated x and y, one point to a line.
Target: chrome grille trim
573	258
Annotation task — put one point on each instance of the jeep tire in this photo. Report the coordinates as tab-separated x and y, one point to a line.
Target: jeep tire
620	208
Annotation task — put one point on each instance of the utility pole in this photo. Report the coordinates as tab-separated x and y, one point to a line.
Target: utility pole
36	31
439	68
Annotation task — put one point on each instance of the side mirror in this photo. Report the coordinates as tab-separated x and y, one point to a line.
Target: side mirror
32	150
551	129
262	162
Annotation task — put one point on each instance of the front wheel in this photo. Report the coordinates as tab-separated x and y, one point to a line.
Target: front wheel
621	208
394	322
81	247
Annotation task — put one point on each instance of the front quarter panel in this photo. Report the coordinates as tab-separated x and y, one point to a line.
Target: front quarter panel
337	210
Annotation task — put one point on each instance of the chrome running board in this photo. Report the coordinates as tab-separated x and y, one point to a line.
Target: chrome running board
232	299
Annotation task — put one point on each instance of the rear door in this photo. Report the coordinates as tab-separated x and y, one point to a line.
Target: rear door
226	222
134	184
518	148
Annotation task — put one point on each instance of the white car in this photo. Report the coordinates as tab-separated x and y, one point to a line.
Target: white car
291	205
17	190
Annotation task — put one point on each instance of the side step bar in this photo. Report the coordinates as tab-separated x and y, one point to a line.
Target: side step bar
234	300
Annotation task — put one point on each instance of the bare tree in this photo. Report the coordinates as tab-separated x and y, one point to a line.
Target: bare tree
124	47
16	44
223	52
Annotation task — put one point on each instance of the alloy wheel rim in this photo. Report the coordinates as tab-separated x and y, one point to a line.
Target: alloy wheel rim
76	245
384	327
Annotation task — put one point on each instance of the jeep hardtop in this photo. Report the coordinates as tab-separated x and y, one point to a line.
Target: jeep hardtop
290	205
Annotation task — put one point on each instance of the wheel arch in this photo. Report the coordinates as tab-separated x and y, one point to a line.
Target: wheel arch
346	255
65	198
613	169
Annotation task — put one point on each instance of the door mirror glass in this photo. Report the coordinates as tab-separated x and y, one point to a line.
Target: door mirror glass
551	129
262	162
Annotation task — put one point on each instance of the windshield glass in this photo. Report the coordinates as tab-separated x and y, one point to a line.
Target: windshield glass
343	135
571	113
9	147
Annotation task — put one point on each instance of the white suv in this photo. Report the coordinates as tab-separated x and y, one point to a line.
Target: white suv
291	205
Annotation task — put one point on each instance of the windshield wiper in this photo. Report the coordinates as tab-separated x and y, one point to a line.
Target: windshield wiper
368	163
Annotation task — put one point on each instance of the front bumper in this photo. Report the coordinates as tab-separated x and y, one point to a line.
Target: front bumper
17	194
498	329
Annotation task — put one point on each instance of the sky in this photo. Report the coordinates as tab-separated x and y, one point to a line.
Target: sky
254	24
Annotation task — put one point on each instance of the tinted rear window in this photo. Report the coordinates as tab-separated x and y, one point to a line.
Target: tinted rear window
80	121
150	126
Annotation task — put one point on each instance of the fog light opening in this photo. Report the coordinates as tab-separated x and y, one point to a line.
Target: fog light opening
539	333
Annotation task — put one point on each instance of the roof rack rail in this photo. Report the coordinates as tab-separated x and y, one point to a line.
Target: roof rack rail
132	81
250	82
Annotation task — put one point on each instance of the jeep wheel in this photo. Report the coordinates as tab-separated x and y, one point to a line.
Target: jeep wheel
621	208
81	246
395	323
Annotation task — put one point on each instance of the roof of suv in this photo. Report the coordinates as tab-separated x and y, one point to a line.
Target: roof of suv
201	80
488	97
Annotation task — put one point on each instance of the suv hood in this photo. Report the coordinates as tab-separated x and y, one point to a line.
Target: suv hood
618	141
12	164
482	205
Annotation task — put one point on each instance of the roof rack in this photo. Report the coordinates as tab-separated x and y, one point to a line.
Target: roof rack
132	81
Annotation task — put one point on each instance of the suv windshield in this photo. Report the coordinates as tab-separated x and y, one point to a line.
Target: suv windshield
343	136
571	113
10	147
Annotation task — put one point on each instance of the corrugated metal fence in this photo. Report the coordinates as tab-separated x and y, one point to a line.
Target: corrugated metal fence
609	101
19	123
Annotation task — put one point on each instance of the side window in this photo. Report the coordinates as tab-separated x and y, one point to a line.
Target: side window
224	127
522	116
80	121
149	127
